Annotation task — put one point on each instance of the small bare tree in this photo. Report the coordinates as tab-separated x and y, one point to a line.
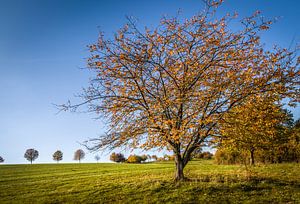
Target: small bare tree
97	158
79	155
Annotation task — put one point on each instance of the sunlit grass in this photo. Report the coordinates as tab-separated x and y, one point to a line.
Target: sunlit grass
149	183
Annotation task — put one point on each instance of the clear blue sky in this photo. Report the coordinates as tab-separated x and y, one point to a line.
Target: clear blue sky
43	45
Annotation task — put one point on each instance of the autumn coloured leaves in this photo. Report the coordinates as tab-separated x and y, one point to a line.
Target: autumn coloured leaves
172	86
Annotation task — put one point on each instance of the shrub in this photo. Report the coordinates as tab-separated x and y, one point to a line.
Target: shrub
143	158
203	155
117	157
154	157
160	159
224	156
134	159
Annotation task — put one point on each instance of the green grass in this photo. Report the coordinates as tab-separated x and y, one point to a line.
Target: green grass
148	183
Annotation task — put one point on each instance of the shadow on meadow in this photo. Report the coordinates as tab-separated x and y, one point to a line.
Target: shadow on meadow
210	189
252	180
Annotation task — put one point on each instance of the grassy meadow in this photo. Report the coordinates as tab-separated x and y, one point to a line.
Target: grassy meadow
149	183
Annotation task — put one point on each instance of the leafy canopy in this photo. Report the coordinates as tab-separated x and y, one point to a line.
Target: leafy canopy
170	86
31	155
58	155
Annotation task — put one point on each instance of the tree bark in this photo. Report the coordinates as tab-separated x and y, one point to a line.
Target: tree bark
179	176
252	162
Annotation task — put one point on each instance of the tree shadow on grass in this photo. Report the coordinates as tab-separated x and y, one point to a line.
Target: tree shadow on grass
219	178
199	190
250	190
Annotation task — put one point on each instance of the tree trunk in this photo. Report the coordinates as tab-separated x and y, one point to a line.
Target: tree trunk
252	162
179	176
30	161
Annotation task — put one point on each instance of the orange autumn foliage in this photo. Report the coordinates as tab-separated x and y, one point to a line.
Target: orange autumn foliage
171	86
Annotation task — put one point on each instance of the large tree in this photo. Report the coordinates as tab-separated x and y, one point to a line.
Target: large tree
170	86
31	155
57	156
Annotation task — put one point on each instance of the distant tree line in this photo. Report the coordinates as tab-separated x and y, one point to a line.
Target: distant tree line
203	155
133	158
32	154
136	158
